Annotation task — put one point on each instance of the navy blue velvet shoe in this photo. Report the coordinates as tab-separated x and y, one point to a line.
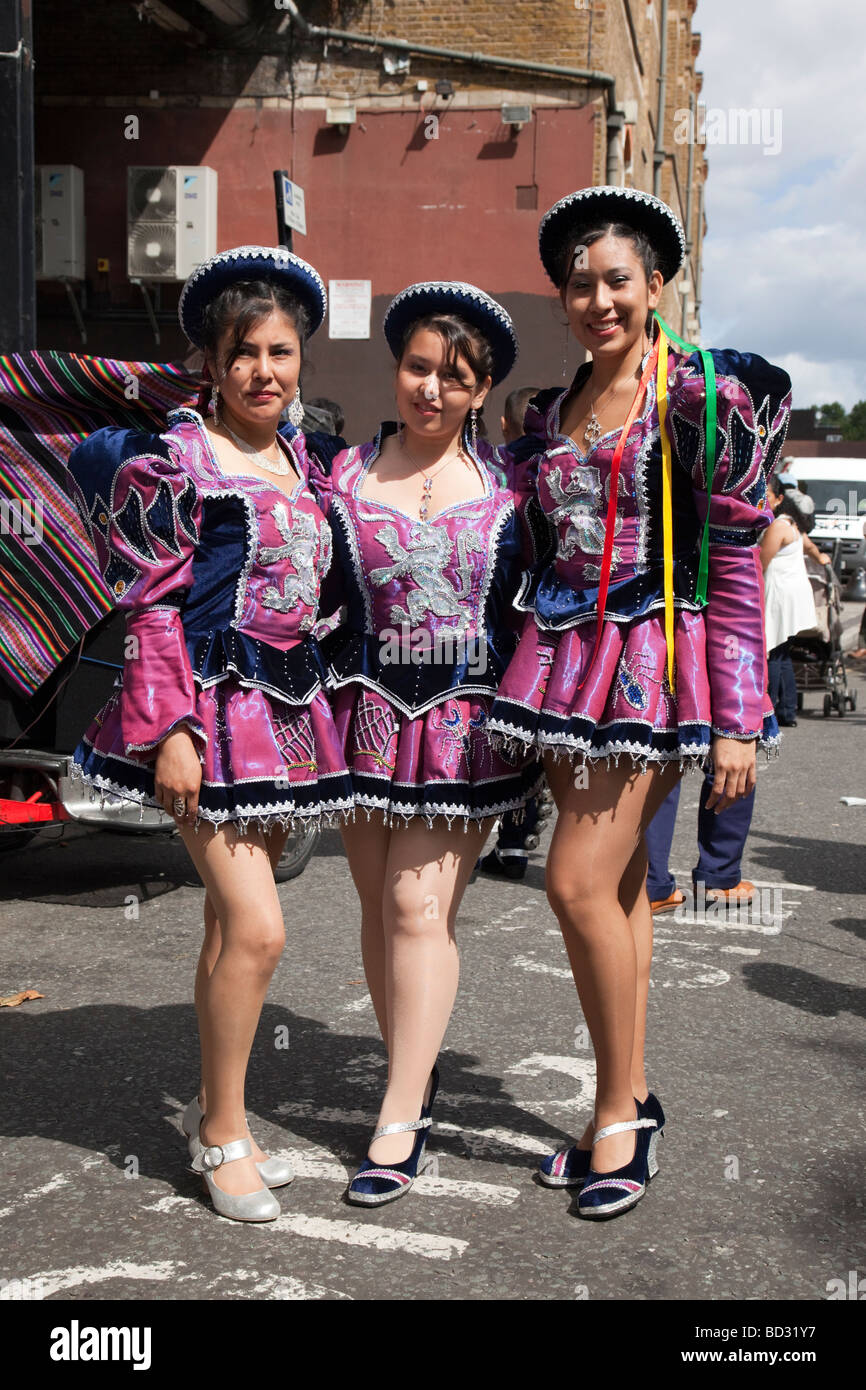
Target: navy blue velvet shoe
652	1108
610	1194
373	1185
569	1167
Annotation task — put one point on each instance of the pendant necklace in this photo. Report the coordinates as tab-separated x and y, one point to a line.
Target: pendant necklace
279	466
593	431
424	504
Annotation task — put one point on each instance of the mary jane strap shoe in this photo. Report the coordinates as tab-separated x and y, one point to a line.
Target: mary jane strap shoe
373	1185
274	1172
610	1194
569	1167
260	1205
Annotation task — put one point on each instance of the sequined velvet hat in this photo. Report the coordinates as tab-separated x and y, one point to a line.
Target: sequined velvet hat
609	203
454	297
249	263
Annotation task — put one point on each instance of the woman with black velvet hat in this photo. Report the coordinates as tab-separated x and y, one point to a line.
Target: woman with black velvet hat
643	648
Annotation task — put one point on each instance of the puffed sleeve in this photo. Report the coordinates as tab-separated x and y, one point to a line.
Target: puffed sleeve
143	512
753	407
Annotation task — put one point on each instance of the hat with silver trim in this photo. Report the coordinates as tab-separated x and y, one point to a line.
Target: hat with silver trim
274	263
609	203
454	297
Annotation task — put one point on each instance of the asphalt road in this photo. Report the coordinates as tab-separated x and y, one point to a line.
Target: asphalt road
755	1045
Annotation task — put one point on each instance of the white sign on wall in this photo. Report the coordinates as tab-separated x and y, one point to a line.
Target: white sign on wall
294	207
350	304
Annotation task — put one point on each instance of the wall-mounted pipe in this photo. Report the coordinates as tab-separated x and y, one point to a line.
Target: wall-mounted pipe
660	153
615	117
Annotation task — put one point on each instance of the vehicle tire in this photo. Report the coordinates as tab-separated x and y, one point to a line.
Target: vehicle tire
840	707
799	699
828	704
297	854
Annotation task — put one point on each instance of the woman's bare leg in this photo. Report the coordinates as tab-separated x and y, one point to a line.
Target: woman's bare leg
426	876
366	844
595	872
245	910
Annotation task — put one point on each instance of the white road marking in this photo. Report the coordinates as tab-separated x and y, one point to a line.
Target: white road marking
538	967
486	1193
741	950
357	1006
52	1281
59	1181
303	1109
428	1246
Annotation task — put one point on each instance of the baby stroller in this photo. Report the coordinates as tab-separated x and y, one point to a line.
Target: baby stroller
817	652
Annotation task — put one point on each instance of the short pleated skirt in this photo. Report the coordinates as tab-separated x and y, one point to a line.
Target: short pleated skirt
625	707
440	764
266	765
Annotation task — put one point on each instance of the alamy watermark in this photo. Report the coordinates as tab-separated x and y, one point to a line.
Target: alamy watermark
730	125
21	518
420	646
765	909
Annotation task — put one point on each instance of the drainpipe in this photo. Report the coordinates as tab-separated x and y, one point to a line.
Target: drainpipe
659	154
690	176
615	117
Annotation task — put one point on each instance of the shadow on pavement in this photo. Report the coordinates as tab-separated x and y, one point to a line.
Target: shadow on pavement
103	1078
804	990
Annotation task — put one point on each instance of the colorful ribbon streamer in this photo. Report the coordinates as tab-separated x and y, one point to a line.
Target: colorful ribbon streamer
711	421
610	521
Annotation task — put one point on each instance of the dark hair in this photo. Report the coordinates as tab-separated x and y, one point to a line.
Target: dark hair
515	406
788	507
332	408
242	305
461	339
590	233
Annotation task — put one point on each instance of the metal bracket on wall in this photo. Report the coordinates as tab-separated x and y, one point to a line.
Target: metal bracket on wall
148	304
75	307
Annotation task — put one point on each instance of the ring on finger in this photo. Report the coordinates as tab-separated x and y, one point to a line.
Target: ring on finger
178	806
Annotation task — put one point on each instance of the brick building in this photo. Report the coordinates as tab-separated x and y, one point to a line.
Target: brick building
428	138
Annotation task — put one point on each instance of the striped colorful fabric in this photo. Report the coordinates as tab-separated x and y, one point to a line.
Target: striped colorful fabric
51	592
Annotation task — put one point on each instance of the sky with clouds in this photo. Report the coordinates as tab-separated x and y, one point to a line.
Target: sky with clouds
785	252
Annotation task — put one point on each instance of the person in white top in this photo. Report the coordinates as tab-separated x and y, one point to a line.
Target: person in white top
788	604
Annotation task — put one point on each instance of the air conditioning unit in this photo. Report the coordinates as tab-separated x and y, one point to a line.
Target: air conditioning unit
171	221
59	198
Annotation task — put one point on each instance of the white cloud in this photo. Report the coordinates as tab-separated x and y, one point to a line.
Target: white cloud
784	257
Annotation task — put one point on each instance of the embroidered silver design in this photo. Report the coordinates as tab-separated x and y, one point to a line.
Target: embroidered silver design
300	546
422	561
578	500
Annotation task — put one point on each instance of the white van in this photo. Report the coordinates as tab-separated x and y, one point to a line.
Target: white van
837	486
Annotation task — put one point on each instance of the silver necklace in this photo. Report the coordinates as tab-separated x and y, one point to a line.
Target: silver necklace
280	466
424	504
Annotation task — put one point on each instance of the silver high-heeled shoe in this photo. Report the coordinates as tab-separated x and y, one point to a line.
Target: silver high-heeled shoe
275	1172
261	1205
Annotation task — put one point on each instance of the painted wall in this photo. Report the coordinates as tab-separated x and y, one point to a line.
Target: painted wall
398	199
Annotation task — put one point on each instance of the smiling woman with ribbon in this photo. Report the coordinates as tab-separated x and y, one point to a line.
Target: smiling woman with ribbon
643	648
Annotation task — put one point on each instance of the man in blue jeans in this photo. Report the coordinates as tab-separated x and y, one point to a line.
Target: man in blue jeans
721	841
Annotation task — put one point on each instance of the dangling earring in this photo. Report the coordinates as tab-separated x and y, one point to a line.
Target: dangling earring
296	410
565	355
214	403
473	429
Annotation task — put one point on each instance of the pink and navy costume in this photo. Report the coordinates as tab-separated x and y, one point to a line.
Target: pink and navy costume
220	577
430	628
624	705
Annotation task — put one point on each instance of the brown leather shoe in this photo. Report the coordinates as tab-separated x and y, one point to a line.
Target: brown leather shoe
740	896
676	899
